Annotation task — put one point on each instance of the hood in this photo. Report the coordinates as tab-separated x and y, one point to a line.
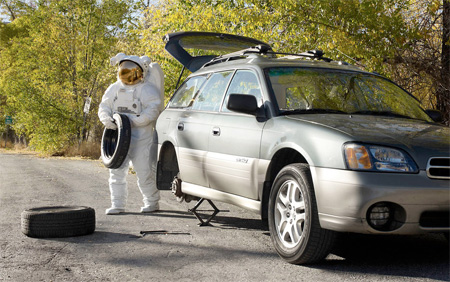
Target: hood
420	139
214	43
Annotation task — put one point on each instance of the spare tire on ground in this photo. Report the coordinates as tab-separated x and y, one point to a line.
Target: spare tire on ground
116	142
58	221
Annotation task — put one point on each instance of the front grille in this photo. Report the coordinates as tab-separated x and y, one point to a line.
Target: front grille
435	219
438	168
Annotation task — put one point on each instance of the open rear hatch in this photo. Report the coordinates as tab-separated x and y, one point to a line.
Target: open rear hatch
216	44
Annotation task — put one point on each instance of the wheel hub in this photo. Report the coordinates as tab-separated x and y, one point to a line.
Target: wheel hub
176	189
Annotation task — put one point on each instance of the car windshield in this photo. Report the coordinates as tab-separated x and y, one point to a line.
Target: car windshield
309	90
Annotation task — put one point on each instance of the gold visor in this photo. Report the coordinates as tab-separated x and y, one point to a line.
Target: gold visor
130	73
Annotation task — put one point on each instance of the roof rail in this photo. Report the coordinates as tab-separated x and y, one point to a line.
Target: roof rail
258	49
266	50
314	54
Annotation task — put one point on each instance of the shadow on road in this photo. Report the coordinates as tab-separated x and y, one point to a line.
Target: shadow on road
162	213
98	237
392	255
424	256
229	222
220	221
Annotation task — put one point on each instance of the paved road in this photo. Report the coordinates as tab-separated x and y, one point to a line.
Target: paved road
236	248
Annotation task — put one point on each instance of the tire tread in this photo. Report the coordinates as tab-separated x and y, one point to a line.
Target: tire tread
58	222
320	241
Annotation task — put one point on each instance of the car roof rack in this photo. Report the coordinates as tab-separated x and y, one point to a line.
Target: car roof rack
258	49
313	54
266	50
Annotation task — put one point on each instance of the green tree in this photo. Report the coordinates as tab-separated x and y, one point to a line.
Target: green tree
344	28
60	60
370	33
12	9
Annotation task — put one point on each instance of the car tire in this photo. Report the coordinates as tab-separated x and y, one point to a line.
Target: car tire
58	221
293	218
116	142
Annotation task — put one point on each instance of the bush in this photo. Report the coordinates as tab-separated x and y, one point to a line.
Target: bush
89	150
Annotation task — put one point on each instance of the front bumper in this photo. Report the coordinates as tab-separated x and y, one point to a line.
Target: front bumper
343	198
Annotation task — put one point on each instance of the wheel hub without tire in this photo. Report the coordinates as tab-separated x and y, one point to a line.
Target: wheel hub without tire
176	189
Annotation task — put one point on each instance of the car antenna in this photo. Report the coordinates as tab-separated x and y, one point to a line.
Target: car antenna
356	62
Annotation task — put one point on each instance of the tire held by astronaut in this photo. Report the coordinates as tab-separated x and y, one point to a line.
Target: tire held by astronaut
116	142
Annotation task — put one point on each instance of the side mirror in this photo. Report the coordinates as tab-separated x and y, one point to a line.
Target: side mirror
243	103
435	115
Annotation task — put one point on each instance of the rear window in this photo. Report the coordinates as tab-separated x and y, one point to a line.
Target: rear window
211	95
184	96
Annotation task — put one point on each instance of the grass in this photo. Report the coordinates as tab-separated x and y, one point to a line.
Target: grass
89	150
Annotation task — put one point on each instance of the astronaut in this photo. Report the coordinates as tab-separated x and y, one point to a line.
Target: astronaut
138	93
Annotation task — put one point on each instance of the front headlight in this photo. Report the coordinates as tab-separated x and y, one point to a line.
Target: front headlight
377	158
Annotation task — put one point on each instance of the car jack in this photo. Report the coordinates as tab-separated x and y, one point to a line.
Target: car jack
203	222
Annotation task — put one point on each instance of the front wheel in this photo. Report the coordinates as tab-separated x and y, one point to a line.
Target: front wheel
293	218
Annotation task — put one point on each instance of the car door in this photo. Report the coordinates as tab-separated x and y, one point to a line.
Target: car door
170	125
194	126
234	143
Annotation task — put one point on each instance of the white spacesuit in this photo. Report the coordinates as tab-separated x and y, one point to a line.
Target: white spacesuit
138	93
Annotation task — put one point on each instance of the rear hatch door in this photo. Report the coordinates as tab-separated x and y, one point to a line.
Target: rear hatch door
183	45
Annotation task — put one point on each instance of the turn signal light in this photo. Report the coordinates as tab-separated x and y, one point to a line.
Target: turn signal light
358	157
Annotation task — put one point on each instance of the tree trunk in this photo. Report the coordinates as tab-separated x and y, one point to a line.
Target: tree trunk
443	91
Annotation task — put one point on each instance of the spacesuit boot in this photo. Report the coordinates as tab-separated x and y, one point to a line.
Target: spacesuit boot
150	208
113	211
151	197
118	188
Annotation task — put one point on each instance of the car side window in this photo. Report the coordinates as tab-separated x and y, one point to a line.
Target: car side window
185	94
244	82
210	96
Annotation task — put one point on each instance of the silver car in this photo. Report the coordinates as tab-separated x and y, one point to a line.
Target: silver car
313	145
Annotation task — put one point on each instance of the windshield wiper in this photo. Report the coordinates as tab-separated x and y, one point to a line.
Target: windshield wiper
380	113
311	111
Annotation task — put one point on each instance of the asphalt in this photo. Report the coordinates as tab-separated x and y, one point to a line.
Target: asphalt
169	245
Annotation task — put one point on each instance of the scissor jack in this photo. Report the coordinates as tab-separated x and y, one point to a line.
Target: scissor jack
204	222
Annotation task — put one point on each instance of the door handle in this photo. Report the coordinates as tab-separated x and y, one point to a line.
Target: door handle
216	131
180	126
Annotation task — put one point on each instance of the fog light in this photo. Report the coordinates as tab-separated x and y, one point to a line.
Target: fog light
379	215
386	216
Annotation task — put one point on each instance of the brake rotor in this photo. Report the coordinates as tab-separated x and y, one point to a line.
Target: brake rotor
176	189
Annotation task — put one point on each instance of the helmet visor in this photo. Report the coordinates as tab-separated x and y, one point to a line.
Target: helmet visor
130	73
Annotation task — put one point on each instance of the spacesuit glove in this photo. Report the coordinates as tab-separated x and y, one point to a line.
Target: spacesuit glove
110	124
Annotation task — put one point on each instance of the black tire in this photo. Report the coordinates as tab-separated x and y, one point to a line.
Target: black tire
116	142
58	221
293	218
